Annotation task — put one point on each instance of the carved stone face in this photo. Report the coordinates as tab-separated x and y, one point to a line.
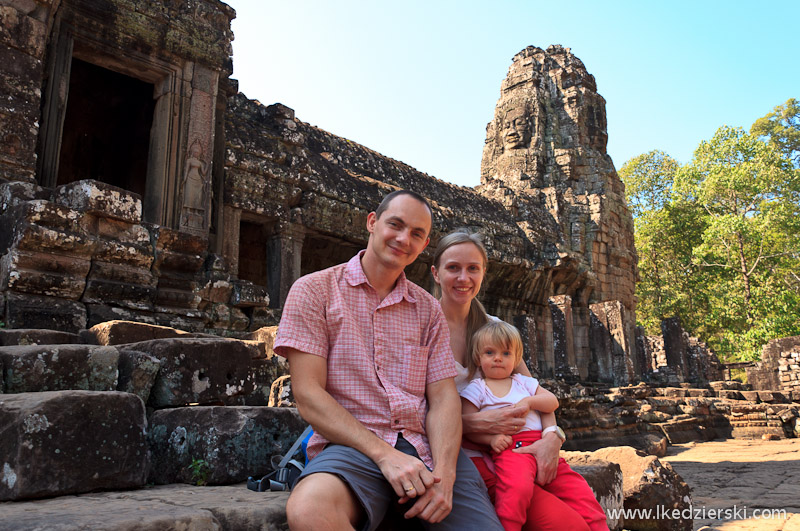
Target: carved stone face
516	131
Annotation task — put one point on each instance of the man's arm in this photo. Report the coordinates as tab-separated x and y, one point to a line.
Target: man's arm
309	375
443	427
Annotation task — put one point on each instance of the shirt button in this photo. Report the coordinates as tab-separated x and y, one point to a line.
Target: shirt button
397	421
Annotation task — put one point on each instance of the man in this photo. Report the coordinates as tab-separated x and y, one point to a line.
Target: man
372	372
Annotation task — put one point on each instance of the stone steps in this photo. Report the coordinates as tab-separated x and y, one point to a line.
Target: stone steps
174	408
156	508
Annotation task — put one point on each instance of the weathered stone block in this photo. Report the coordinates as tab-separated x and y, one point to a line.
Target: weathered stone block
65	442
235	442
772	397
32	311
135	254
137	373
605	479
263	373
36	368
100	313
682	430
262	316
730	394
201	371
120	332
246	294
178	242
675	392
157	508
33	336
265	335
101	199
16	193
217	291
648	483
127	295
22	31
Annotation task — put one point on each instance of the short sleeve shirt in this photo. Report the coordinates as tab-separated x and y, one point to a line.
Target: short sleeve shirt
522	386
381	354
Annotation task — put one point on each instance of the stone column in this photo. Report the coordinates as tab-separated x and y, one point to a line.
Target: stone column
544	334
232	217
613	341
195	186
530	347
675	346
284	250
563	341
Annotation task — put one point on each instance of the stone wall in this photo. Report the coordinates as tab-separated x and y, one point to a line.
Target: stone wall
675	357
779	368
216	204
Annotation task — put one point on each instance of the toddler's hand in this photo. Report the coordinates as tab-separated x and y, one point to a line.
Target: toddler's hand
525	402
500	442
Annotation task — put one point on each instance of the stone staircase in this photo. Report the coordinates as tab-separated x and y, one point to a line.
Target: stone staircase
114	427
125	405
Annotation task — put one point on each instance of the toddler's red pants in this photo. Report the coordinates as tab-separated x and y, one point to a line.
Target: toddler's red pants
566	503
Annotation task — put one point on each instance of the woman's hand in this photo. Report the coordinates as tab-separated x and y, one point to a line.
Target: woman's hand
507	420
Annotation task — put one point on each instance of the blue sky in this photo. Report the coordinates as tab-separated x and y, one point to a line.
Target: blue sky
418	81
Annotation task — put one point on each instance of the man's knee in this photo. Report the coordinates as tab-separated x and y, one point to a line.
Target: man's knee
322	501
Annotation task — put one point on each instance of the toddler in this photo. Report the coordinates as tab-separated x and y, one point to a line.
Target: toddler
497	350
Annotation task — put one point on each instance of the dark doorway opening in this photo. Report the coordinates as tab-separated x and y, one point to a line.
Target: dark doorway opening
253	253
106	134
321	252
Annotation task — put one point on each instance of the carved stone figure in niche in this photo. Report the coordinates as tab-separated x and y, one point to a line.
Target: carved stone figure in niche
516	130
195	188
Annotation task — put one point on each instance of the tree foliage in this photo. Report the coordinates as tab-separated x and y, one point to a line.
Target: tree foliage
719	241
782	128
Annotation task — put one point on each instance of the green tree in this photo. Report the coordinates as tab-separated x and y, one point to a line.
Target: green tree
750	197
782	128
719	241
648	181
665	233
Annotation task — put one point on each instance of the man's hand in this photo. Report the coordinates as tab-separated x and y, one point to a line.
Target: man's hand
435	504
546	453
408	476
500	442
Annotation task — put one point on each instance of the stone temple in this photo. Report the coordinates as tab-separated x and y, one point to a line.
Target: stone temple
153	219
138	184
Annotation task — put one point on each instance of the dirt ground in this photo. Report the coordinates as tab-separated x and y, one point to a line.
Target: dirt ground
742	484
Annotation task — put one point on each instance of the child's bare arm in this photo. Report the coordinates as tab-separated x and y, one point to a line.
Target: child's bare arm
543	401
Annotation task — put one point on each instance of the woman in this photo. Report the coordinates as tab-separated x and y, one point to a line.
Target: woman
459	266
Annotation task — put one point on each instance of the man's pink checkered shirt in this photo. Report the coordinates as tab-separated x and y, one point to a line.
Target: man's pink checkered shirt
381	354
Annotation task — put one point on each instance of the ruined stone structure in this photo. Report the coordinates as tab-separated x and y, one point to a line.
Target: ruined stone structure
546	148
675	357
140	186
779	368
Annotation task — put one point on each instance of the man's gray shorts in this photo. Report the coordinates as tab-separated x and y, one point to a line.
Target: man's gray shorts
471	506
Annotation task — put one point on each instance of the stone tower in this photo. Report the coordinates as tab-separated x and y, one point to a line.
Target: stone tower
546	146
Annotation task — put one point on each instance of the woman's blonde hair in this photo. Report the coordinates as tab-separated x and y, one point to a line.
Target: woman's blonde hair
498	333
477	316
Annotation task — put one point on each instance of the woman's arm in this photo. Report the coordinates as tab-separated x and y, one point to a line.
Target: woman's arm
507	420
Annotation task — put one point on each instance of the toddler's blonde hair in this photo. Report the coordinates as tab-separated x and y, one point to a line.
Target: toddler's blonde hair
497	333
